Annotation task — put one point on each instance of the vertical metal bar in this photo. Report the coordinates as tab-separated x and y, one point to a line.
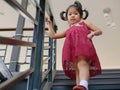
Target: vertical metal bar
50	64
6	48
55	49
37	75
19	32
50	61
33	55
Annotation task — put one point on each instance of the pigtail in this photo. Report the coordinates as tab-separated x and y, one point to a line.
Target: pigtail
63	15
86	14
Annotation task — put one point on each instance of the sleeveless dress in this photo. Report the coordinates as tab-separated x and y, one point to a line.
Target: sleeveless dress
78	44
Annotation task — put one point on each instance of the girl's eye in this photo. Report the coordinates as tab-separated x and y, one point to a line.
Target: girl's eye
69	14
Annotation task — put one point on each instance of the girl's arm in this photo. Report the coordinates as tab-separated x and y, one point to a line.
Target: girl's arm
95	30
52	33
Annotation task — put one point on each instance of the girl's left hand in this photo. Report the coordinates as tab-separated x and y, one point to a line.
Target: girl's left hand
90	35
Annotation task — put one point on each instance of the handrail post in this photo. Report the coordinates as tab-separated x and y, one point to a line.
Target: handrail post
55	49
51	59
16	49
39	38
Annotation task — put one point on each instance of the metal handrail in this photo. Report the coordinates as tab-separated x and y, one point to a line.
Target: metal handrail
11	41
14	29
21	10
7	84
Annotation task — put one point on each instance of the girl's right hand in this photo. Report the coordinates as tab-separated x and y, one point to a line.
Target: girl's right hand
48	21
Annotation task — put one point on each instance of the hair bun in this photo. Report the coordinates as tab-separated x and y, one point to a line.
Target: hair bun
85	12
78	4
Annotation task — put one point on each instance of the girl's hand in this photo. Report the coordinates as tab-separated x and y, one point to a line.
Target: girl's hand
48	21
91	35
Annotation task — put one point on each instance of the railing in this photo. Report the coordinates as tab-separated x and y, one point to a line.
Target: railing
43	55
11	82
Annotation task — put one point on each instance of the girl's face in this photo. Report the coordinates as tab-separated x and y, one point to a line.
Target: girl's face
73	16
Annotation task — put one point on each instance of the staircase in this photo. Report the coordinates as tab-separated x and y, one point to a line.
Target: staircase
108	80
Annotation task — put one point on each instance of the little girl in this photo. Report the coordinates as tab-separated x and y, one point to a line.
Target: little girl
79	58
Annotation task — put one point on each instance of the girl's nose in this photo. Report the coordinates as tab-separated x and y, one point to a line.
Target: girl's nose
72	15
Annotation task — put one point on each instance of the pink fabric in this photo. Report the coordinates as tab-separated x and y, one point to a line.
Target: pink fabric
78	44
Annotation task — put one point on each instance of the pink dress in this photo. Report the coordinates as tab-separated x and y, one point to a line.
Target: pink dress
78	44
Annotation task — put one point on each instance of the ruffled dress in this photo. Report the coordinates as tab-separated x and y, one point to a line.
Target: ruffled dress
78	44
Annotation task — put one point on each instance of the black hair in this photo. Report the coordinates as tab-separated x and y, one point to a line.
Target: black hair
78	6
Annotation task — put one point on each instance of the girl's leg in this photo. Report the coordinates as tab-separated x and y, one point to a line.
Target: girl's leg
83	67
77	74
82	71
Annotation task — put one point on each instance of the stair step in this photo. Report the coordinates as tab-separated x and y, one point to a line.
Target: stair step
107	71
114	85
108	80
96	77
97	81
